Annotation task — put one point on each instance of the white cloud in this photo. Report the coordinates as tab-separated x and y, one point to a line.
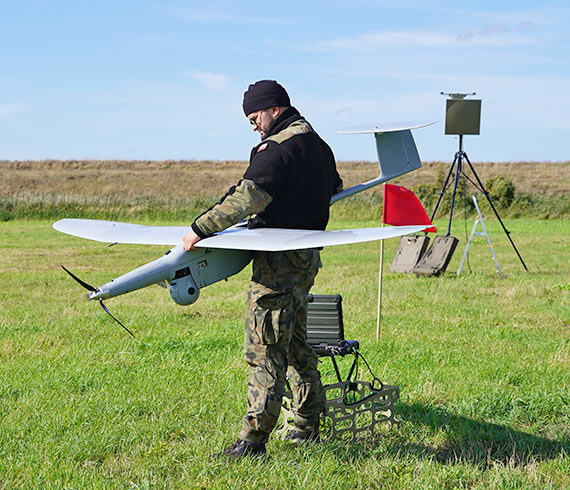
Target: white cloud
345	111
489	35
35	6
498	34
212	81
389	38
219	16
7	110
526	24
489	30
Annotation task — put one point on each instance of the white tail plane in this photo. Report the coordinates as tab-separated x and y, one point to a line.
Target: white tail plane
397	152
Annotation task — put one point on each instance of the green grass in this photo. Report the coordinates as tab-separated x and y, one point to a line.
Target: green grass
51	206
483	365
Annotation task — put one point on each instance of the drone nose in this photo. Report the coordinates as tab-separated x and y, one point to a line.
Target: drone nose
99	294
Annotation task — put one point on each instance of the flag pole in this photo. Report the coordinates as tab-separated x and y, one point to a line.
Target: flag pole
380	276
381	266
404	209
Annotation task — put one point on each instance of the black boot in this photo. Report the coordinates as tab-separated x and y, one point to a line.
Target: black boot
301	438
242	448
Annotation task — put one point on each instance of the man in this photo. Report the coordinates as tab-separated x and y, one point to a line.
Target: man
288	184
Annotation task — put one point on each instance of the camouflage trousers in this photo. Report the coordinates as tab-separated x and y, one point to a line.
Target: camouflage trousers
276	343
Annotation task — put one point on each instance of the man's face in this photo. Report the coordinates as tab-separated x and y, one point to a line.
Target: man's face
261	121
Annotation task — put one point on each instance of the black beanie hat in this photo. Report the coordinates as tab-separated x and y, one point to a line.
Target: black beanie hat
264	94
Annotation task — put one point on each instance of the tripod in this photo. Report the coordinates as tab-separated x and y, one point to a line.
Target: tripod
457	164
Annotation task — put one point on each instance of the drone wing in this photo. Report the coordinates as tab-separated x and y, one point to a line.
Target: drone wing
279	239
117	232
235	238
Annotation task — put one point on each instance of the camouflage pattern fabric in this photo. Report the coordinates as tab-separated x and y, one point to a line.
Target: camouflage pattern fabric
276	343
247	198
298	127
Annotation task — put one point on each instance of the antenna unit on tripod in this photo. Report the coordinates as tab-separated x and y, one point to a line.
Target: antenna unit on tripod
462	116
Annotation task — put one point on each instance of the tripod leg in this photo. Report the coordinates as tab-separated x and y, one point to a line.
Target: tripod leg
486	194
457	174
444	187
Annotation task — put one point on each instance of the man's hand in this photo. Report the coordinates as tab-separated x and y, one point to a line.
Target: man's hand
189	240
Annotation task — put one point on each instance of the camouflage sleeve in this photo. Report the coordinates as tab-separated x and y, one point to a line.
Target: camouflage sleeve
246	199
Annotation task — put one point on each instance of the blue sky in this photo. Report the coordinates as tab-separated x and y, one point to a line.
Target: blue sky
165	80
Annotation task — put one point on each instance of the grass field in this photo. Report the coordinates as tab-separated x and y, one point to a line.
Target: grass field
483	365
178	190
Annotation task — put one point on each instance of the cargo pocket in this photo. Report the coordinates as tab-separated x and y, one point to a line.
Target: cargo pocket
270	317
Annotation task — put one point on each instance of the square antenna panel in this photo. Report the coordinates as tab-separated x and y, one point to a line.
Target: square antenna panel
410	251
462	116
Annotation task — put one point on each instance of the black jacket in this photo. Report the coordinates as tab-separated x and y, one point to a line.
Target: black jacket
299	173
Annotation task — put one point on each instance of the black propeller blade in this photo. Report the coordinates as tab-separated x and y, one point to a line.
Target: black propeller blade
91	288
105	308
84	284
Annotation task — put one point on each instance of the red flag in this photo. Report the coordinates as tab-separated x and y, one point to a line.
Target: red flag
401	207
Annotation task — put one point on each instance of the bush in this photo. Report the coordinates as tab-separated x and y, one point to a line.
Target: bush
501	191
427	194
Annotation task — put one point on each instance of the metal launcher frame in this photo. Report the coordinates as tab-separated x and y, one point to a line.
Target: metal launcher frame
354	408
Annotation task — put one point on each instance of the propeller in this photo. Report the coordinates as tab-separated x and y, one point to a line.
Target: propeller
84	284
92	289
